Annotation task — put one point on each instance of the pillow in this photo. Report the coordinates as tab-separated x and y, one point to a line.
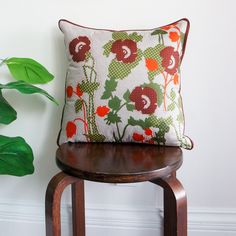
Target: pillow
124	86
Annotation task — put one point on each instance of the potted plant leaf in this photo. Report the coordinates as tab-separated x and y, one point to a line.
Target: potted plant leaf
16	156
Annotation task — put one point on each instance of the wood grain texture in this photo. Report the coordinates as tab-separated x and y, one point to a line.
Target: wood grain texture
118	163
175	206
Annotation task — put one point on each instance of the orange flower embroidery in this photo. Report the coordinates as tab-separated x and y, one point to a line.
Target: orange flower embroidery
70	129
102	111
148	131
174	36
151	64
176	79
138	137
69	91
79	92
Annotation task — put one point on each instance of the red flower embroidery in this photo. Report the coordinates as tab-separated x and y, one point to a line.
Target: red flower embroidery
69	91
138	137
79	92
125	50
70	129
102	111
148	131
78	48
145	99
170	60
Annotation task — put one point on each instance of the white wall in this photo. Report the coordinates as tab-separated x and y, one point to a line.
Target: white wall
29	29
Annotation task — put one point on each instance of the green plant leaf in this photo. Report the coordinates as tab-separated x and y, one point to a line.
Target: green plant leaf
158	31
110	86
7	113
112	118
114	103
28	70
126	95
16	156
130	107
78	105
27	88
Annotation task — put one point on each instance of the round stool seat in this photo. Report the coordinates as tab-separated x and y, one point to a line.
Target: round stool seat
118	162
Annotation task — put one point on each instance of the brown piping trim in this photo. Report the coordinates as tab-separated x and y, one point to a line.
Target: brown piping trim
63	111
185	37
111	30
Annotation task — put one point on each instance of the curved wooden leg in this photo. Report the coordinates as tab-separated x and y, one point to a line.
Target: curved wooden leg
175	206
53	202
78	211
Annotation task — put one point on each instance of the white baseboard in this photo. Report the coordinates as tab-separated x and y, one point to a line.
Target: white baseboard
28	219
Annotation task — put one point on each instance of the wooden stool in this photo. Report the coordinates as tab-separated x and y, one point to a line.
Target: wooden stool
116	163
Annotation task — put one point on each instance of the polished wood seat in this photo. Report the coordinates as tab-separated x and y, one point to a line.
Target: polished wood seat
116	163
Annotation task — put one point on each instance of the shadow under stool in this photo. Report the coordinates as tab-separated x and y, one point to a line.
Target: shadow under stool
116	163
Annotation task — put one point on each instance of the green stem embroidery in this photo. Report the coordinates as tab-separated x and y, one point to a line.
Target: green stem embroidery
118	131
123	134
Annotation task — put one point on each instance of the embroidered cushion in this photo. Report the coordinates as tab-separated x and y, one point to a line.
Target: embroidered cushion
124	86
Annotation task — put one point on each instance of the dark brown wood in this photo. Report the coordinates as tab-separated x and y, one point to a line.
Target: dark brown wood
53	201
78	210
118	163
175	206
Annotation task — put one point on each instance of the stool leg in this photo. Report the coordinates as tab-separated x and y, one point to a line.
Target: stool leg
53	202
175	206
78	211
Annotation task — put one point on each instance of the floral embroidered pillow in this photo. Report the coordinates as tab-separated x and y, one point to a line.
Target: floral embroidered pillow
124	86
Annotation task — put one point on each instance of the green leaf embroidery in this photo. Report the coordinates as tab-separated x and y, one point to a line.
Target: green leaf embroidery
28	70
130	107
27	88
119	35
78	105
172	95
158	31
127	95
114	103
112	118
96	137
16	156
89	87
107	48
135	37
133	122
171	107
120	70
154	53
7	113
110	86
